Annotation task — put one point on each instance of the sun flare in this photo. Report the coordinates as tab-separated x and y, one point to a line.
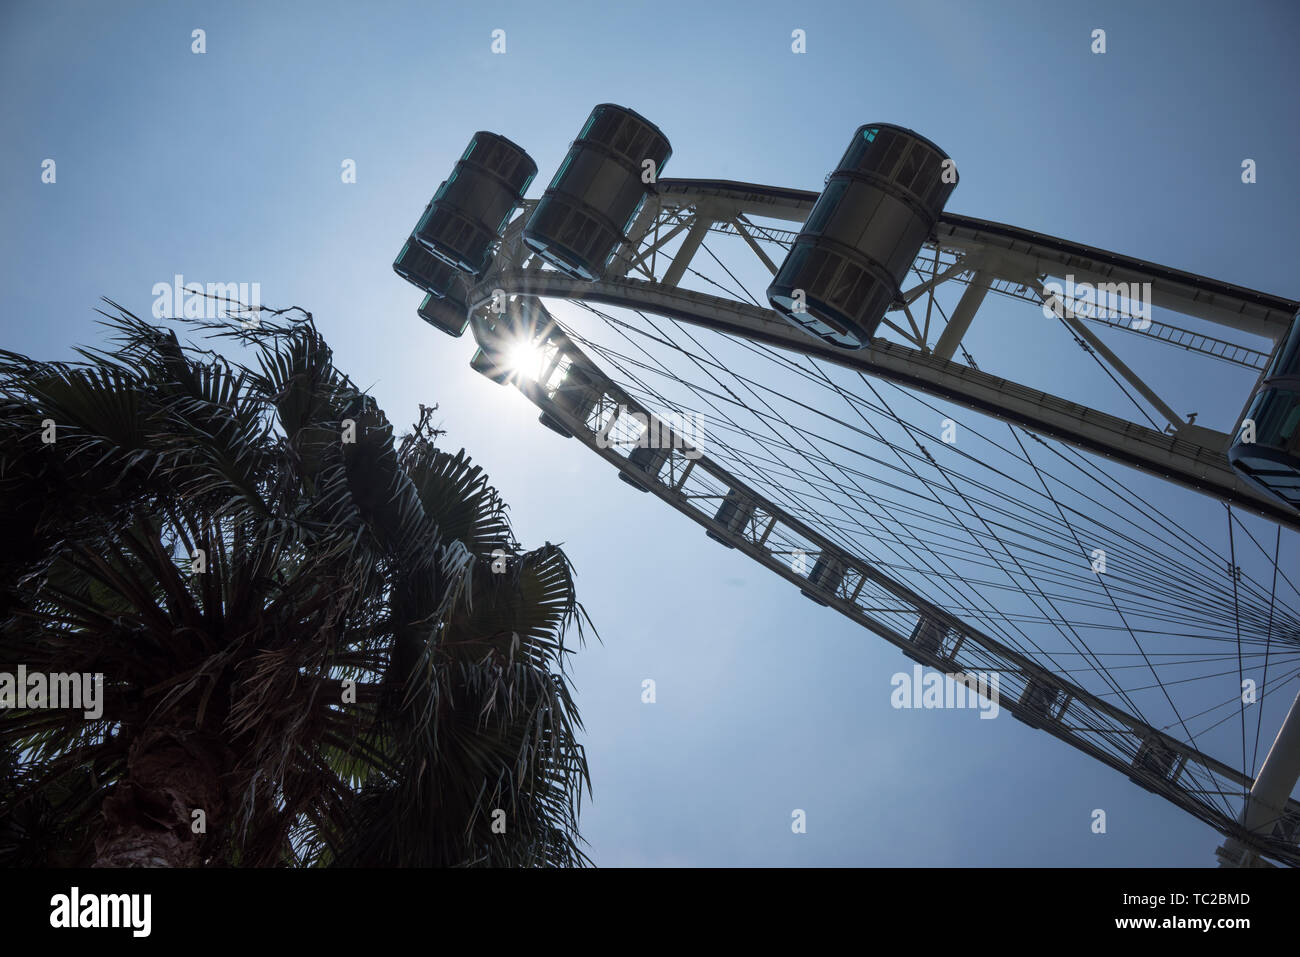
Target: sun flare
525	358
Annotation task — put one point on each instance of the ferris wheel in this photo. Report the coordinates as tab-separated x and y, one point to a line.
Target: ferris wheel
1122	579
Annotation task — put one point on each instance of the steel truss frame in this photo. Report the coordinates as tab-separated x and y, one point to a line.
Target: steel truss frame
984	257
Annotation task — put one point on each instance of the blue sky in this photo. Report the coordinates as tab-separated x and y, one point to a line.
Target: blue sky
226	167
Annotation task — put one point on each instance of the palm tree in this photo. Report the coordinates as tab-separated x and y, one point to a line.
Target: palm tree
319	645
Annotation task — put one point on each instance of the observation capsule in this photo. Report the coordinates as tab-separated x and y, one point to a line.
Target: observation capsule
1271	462
579	223
471	208
491	358
416	266
648	457
577	394
827	573
444	306
446	314
733	514
850	258
489	363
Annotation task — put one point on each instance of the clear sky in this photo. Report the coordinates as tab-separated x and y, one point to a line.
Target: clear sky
226	167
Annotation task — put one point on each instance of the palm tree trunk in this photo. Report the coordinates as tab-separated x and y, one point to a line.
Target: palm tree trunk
149	818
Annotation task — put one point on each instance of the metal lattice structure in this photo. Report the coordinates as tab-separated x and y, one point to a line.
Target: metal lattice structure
579	397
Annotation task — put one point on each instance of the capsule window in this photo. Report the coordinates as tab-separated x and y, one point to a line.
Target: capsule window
626	137
846	284
1288	433
570	233
793	269
639	143
1276	414
805	267
508	164
459	233
823	265
936	190
449	231
891	155
631	219
910	166
860	291
927	183
858	149
401	257
604	128
461	189
492	158
470	149
598	239
883	154
825	205
799	257
853	155
808	277
876	153
556	379
564	168
1287	360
